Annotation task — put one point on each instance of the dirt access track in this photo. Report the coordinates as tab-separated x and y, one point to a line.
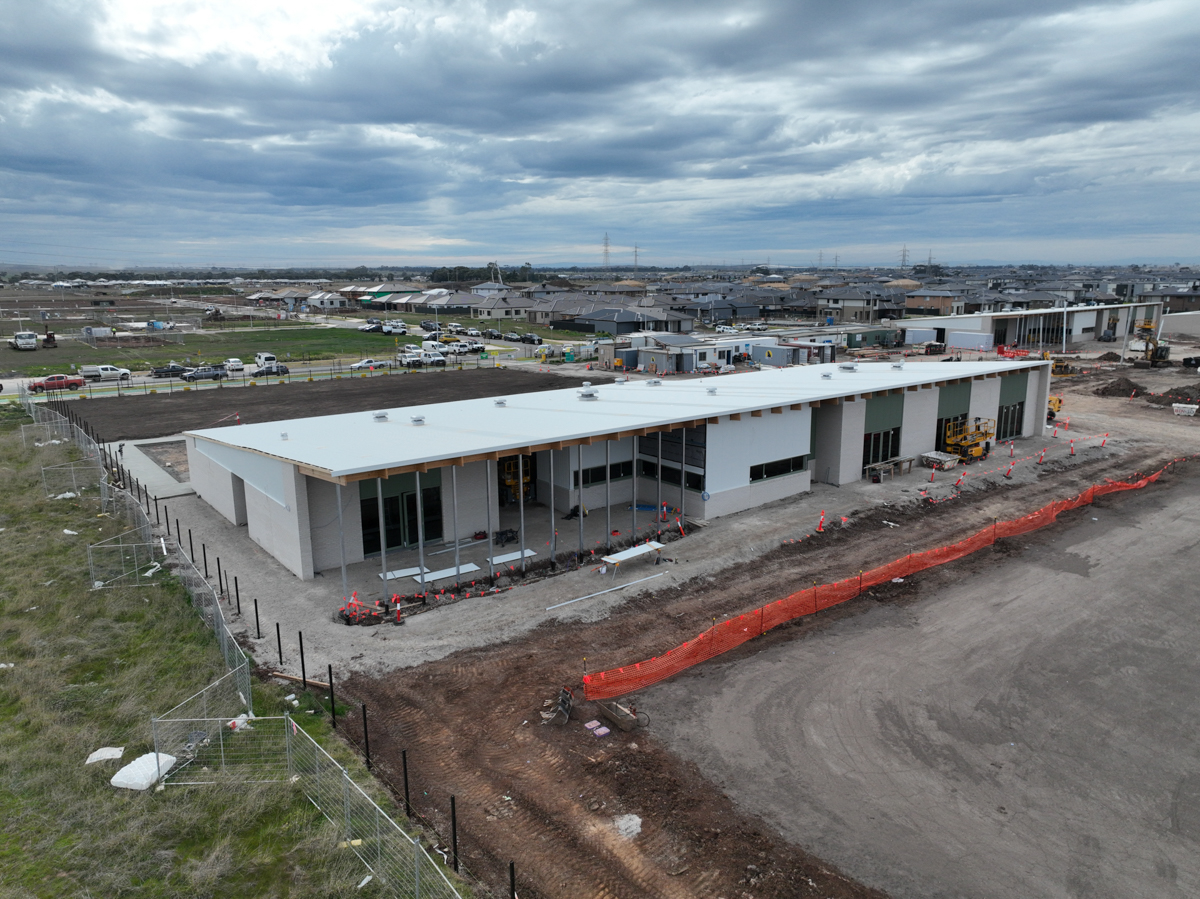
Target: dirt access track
140	417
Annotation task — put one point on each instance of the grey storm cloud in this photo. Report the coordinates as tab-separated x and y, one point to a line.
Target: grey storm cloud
432	130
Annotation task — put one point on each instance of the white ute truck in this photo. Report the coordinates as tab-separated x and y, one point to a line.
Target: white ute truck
105	373
23	340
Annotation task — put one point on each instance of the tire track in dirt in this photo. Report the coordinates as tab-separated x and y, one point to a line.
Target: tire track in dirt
472	727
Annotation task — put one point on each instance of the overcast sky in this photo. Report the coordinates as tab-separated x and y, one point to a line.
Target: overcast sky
283	132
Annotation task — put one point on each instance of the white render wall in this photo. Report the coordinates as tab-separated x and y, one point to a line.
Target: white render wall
323	524
283	531
216	485
1037	395
985	398
918	433
472	500
565	495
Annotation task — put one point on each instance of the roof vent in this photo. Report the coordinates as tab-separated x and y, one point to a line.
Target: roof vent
418	420
897	365
712	391
587	383
588	393
283	436
848	366
827	375
501	402
379	416
654	382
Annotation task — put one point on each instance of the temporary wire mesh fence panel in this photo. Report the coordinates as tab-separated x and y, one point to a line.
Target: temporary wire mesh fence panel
212	750
221	700
78	479
398	861
125	561
43	433
731	633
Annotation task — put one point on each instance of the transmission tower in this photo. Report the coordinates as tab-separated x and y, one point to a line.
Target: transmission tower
904	257
606	245
635	258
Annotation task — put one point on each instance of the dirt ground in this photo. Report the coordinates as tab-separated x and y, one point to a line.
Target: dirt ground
134	417
1020	724
461	688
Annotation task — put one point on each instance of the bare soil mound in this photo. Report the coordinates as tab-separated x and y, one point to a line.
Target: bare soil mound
1120	387
1109	357
1181	393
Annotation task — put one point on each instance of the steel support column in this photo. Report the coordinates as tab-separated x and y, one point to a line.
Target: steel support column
521	505
420	533
342	542
454	520
382	532
608	493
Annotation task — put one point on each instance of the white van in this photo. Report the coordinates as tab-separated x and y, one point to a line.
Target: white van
434	346
263	359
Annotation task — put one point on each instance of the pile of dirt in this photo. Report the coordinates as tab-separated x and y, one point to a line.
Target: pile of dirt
1182	393
1110	356
1122	387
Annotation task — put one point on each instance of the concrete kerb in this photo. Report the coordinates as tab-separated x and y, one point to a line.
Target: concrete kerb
310	606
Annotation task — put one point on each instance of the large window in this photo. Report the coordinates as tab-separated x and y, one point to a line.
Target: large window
881	446
778	468
670	475
1010	421
595	475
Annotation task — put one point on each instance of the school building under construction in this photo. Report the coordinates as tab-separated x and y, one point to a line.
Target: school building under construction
321	492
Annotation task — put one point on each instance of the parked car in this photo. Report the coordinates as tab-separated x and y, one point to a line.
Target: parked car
105	373
264	359
450	338
234	365
492	334
473	332
726	329
428	358
756	326
410	358
473	346
531	338
270	371
456	349
174	370
203	373
395	328
366	364
57	382
429	325
454	327
371	328
513	336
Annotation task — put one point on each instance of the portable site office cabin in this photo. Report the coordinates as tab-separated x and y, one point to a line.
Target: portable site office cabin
723	445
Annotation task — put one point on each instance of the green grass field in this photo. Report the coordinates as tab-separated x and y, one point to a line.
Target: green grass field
290	344
90	668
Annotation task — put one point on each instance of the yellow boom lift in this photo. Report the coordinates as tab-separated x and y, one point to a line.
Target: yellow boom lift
970	440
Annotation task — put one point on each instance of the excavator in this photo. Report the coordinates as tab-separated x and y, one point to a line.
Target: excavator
1152	349
970	439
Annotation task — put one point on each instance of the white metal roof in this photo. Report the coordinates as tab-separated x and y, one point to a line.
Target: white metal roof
354	443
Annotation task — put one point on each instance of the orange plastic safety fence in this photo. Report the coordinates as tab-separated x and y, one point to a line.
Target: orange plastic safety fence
736	631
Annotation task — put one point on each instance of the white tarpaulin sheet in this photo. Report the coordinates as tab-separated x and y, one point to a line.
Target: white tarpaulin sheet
143	772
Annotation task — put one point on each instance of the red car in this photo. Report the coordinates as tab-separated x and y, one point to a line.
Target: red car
57	382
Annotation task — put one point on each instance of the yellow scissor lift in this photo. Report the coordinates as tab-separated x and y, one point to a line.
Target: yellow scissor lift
970	439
